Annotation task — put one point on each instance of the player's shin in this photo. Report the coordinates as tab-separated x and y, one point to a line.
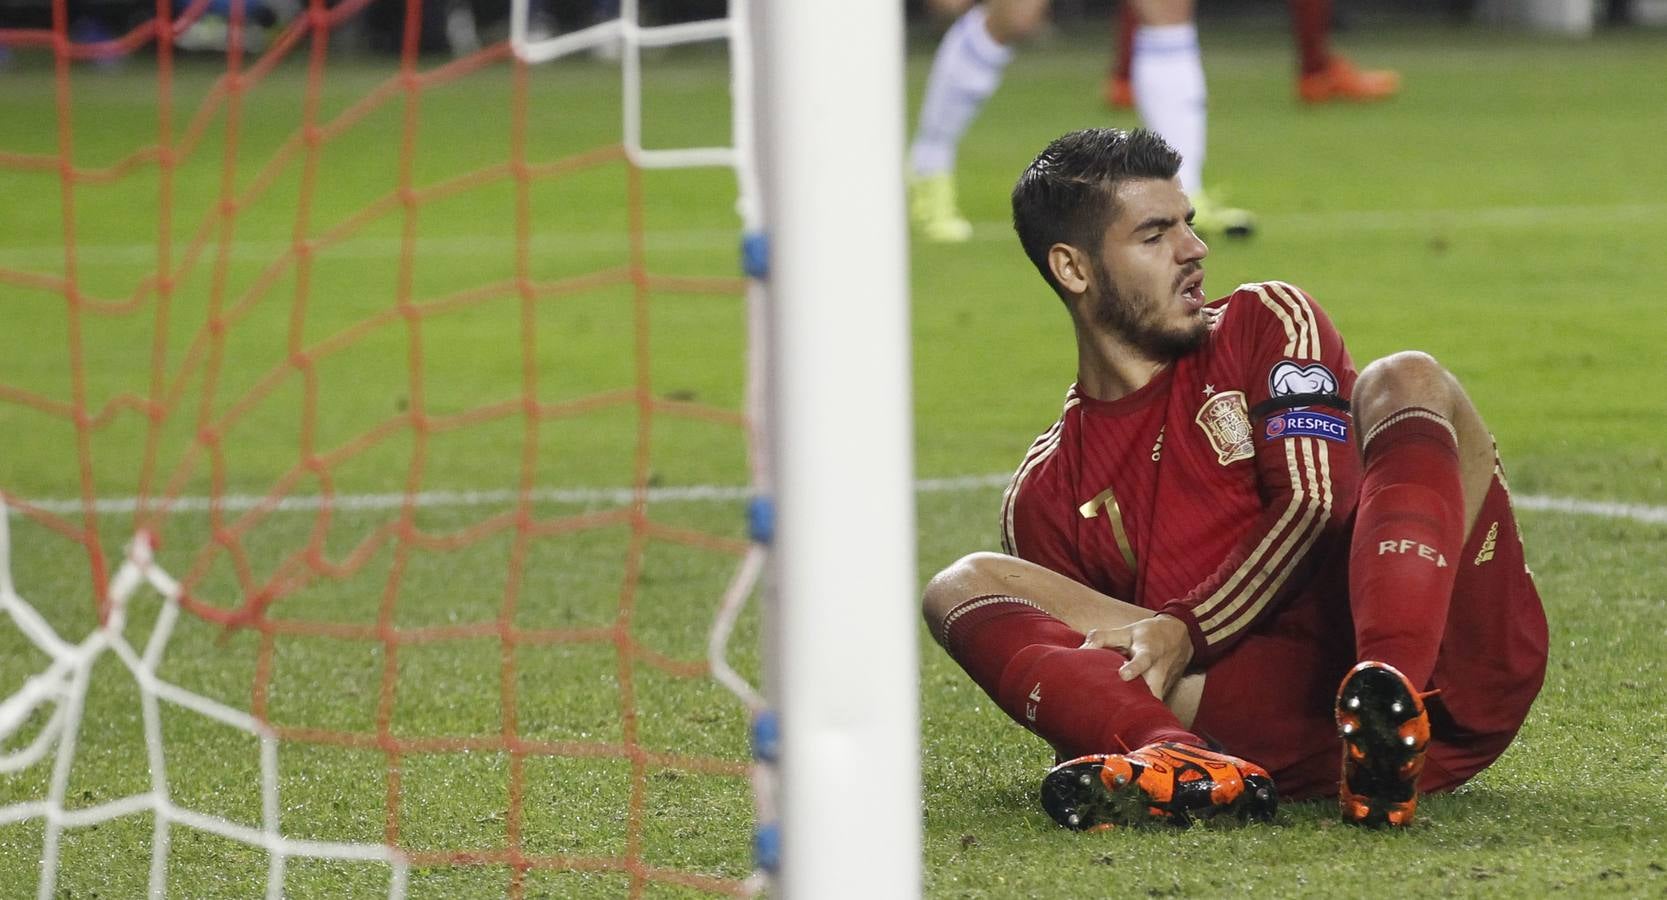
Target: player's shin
1033	666
1409	530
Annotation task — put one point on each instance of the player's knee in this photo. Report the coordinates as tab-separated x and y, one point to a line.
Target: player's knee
939	597
948	9
957	582
1408	378
1015	20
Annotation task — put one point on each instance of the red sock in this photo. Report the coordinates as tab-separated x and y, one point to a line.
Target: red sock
1123	33
1311	26
1033	666
1408	533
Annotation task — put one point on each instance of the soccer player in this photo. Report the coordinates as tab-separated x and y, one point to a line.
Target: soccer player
967	69
1322	76
1231	539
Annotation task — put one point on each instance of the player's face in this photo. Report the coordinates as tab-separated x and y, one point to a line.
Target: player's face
1152	265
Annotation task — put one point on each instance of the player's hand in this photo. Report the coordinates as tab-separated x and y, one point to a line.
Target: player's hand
1158	649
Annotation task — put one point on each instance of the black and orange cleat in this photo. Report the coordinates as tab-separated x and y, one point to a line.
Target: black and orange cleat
1385	731
1166	782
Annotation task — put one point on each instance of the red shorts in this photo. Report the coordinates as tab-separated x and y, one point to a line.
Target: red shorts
1270	698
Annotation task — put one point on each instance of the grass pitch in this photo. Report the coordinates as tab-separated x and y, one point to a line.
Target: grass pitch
1504	214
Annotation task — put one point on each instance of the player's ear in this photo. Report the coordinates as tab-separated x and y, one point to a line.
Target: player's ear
1070	267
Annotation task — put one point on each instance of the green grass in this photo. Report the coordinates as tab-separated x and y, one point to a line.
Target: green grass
1505	214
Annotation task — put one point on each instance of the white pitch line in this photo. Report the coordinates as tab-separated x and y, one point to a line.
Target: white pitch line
692	239
623	496
1638	512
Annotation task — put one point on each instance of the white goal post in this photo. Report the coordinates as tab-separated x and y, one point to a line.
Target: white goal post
844	627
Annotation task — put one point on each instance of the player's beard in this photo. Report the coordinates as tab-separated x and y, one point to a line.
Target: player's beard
1134	317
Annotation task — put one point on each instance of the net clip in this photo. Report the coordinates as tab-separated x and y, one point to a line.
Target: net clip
755	255
761	520
766	736
766	847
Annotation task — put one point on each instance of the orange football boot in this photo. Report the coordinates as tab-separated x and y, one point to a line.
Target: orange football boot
1385	731
1118	93
1164	782
1340	80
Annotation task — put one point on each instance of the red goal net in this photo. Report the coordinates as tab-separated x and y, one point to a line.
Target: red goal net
380	444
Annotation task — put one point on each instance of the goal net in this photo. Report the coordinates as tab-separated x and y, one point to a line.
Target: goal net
381	443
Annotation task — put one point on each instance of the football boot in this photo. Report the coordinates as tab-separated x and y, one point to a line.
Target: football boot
1211	220
933	211
1118	92
1385	732
1165	782
1340	80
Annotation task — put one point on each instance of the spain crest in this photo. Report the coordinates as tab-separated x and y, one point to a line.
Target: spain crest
1225	419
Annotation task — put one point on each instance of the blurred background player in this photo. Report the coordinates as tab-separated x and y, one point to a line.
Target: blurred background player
1168	79
1322	76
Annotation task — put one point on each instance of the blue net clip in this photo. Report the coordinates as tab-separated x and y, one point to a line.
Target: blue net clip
761	520
766	847
766	736
755	254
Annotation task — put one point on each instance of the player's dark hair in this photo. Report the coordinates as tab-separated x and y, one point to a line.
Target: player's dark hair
1068	194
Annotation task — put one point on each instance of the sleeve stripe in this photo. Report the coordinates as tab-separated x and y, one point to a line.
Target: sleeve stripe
1042	448
1269	574
1269	590
1302	332
1301	306
1284	318
1210	611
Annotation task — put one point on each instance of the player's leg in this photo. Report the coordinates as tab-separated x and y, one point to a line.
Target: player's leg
980	577
1427	462
966	70
1167	77
1327	76
1311	28
1119	88
1018	631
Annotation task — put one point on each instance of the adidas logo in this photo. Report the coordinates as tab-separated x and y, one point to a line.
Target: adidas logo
1488	543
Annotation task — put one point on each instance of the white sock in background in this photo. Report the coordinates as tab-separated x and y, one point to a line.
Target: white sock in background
1168	79
965	72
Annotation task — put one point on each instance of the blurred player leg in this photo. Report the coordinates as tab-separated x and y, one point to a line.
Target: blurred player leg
966	70
1119	89
1324	75
1167	74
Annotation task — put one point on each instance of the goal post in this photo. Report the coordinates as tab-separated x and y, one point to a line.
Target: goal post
844	622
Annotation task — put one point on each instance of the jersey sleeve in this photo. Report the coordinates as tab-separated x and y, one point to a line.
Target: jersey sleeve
1035	518
1299	377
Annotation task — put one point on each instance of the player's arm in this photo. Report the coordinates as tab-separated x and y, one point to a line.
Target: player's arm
1300	375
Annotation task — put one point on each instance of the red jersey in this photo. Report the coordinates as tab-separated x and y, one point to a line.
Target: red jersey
1221	493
